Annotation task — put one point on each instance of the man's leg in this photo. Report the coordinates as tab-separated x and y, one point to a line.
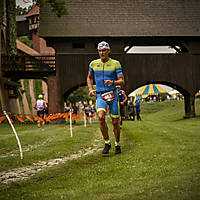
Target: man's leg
43	125
116	130
104	130
38	123
103	125
43	118
138	115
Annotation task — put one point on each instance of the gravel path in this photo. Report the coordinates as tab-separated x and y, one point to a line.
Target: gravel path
23	173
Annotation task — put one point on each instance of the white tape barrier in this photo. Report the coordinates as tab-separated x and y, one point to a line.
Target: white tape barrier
13	128
70	122
84	119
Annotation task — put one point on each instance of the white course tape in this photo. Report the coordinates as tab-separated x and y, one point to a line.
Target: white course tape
70	122
13	128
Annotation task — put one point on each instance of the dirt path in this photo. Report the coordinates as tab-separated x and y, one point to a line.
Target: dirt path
23	173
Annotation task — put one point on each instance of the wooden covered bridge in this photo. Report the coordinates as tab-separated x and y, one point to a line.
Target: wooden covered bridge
125	24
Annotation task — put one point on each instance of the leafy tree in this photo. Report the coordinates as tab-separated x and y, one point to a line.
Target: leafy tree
26	40
11	27
58	6
23	11
81	94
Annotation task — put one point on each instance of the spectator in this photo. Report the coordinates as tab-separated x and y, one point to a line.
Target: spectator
122	101
74	111
131	111
137	107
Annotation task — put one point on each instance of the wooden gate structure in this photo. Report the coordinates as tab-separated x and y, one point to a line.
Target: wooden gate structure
125	23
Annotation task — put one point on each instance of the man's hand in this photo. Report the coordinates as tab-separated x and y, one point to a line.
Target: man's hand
109	82
92	92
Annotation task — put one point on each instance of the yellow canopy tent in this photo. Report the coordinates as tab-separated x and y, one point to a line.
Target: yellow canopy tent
151	89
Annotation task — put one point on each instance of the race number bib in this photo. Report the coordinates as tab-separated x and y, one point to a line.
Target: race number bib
40	108
108	96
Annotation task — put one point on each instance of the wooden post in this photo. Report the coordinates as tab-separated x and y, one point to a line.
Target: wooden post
189	106
2	105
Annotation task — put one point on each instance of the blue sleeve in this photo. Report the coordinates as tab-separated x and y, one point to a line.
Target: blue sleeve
118	68
91	70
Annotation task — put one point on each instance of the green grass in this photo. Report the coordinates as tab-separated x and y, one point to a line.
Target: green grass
37	85
160	159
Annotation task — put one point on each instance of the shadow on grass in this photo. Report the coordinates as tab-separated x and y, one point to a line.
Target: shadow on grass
184	119
107	155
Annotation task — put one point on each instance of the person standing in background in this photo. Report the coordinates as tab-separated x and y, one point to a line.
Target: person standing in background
40	106
131	111
137	108
122	101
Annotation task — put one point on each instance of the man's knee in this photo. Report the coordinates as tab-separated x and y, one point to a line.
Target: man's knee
101	116
115	121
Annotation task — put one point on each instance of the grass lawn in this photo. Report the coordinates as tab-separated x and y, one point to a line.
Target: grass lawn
160	159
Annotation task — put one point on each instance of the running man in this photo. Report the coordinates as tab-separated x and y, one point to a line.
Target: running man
40	106
107	73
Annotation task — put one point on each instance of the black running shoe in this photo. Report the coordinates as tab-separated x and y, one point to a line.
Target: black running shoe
106	148
117	149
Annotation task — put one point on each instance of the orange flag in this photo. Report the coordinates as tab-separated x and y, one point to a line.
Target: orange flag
74	116
78	117
66	115
29	118
39	118
35	118
20	119
48	119
2	118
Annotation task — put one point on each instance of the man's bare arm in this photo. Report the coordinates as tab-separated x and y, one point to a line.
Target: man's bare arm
120	80
125	97
90	83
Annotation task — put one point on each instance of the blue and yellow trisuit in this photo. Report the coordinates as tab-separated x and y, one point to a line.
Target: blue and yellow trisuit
106	71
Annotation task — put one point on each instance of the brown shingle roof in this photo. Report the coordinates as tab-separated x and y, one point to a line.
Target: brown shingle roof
34	11
121	18
26	49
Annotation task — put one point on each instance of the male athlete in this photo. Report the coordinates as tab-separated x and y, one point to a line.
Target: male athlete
107	73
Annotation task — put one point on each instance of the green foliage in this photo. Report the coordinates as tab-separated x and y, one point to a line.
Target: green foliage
11	27
58	6
2	11
37	84
81	94
26	40
28	95
23	11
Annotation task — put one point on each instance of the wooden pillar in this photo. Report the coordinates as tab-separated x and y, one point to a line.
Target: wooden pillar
2	104
55	101
189	106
